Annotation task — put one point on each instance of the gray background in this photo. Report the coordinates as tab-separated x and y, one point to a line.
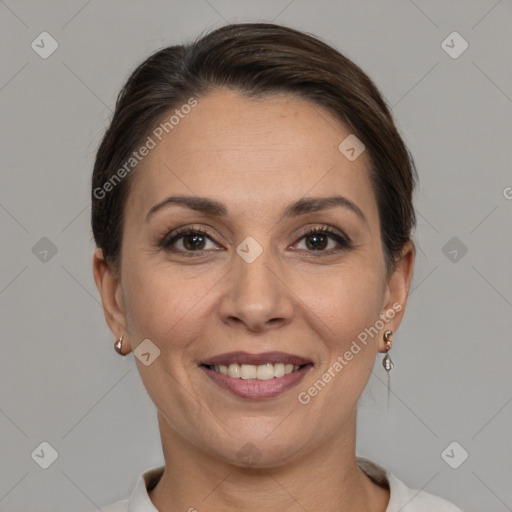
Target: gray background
60	379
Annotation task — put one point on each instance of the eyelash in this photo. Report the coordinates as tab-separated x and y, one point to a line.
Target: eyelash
168	240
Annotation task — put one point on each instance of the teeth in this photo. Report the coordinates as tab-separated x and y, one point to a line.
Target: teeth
278	370
234	370
265	372
260	372
248	371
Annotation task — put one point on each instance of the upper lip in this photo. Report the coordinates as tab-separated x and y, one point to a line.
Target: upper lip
255	359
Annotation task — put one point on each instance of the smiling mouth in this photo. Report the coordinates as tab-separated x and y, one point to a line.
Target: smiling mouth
266	371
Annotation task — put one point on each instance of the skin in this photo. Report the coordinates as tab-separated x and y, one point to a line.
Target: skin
256	157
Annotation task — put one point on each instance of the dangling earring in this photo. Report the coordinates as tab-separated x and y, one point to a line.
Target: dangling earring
118	346
386	362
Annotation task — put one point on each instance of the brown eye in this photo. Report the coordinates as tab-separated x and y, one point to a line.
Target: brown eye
318	239
321	240
188	240
193	241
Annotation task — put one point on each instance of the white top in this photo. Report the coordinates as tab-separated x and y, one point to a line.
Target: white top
402	499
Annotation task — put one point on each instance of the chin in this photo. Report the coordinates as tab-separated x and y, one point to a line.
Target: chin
260	451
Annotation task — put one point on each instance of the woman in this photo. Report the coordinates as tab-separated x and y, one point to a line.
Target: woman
252	209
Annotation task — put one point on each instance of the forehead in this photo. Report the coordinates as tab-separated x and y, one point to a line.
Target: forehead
252	152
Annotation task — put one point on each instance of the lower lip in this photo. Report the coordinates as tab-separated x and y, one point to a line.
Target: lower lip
254	388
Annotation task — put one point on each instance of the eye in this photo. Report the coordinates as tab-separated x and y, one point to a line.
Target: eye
187	240
317	239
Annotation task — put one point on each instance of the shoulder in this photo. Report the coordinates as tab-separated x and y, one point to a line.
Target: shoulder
139	500
405	499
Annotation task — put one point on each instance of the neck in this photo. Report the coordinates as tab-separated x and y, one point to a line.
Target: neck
327	479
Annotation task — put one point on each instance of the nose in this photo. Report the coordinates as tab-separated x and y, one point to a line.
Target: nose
257	297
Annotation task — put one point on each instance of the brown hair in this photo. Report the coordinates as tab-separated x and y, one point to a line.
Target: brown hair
256	59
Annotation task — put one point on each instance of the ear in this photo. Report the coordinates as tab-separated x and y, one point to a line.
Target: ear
111	293
397	291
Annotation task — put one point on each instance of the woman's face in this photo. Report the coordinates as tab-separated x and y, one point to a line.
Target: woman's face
256	288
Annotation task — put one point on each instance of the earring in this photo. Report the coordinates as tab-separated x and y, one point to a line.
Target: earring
118	346
386	362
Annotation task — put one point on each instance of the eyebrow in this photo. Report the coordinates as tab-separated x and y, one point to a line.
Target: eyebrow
300	207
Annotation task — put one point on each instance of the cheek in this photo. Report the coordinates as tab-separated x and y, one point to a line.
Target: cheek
346	309
345	302
160	304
